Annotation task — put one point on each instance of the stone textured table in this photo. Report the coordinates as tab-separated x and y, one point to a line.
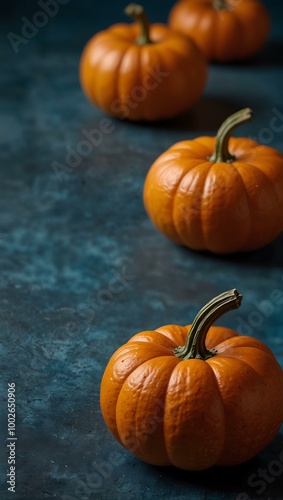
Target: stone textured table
83	269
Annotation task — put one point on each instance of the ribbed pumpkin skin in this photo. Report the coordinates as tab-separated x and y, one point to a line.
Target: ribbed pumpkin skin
192	414
142	82
219	207
223	35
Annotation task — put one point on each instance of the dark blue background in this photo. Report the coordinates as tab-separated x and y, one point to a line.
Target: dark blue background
64	242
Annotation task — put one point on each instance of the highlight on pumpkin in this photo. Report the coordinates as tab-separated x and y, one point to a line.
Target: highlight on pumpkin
154	394
141	71
224	30
221	194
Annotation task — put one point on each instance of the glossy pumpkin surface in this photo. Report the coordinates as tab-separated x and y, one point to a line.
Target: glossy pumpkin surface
224	30
219	194
142	72
216	401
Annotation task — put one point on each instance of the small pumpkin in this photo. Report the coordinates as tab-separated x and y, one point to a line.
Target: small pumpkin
224	30
142	72
218	194
217	400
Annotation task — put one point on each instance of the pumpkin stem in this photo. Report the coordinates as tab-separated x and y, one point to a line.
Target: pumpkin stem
195	343
222	5
137	12
221	151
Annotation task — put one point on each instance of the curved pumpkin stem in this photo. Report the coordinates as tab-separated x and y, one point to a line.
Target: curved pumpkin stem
223	4
137	12
221	151
195	343
220	4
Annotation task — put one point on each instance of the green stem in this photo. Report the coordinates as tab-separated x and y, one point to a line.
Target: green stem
221	151
137	12
194	347
221	5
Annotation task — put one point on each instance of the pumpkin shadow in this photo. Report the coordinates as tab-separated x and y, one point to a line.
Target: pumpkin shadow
269	256
206	115
240	480
270	56
229	481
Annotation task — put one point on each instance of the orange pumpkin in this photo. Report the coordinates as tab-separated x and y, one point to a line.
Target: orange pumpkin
141	72
224	30
219	194
215	401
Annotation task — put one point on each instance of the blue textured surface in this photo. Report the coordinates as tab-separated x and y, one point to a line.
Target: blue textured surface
65	242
